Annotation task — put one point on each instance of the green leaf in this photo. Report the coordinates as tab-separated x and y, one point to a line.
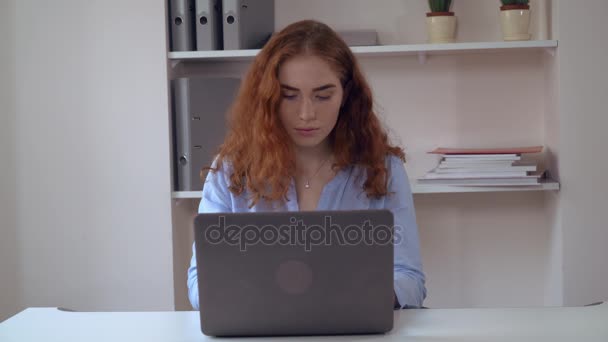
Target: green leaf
515	2
440	5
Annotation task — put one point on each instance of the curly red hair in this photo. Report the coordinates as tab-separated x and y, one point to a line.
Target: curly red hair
261	160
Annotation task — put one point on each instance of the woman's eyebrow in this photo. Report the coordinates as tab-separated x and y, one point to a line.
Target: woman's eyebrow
289	87
323	87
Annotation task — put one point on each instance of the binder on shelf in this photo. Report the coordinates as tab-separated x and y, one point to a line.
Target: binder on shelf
208	24
247	24
181	19
199	125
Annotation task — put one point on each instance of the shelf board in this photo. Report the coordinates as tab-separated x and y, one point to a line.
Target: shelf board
186	194
545	185
379	50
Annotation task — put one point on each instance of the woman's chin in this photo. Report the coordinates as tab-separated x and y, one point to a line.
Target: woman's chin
307	142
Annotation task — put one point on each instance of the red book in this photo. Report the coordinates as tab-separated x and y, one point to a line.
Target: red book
508	150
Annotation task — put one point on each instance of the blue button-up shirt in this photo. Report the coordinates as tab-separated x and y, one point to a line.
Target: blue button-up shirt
343	192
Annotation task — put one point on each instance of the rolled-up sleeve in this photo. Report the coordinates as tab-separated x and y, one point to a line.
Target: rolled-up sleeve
215	199
409	276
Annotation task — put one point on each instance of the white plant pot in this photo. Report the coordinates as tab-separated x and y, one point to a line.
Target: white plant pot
442	29
515	24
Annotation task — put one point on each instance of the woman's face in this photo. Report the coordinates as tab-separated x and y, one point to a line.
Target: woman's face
311	97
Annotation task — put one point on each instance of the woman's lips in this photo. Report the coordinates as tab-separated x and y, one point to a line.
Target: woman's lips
307	132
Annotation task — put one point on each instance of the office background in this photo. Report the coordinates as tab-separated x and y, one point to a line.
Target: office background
85	187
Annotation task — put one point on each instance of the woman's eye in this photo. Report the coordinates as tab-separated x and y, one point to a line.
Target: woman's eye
289	96
323	98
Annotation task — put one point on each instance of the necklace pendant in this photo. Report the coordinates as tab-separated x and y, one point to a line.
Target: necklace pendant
307	185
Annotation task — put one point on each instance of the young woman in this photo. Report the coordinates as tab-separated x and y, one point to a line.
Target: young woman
303	136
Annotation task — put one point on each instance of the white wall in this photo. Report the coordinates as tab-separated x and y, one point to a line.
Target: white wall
92	158
582	163
10	297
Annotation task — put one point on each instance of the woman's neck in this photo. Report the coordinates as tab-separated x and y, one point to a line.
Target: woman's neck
309	159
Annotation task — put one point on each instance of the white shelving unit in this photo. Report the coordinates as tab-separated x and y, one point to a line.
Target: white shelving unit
459	232
545	185
421	50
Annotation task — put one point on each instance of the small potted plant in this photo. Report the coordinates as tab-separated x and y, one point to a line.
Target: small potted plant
515	19
441	23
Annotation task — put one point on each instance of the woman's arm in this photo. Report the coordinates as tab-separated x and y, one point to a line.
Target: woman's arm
215	199
409	280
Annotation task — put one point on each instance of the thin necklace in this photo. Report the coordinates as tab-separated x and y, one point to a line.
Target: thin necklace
307	185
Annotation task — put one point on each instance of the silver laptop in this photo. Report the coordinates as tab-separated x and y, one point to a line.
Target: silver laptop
295	273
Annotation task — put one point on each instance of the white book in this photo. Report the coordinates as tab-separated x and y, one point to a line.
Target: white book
448	164
481	155
472	175
480	158
485	168
481	182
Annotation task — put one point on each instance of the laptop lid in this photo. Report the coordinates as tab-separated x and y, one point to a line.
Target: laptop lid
295	273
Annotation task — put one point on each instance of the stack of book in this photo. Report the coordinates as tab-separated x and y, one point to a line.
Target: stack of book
484	167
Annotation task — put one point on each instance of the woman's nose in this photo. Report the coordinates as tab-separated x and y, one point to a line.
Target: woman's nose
307	111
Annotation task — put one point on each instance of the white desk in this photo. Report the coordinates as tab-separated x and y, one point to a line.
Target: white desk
526	324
